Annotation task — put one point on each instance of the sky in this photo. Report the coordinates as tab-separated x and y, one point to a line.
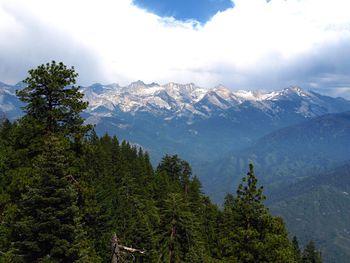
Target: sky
245	44
199	10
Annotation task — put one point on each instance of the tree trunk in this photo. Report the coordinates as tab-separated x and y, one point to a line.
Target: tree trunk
115	249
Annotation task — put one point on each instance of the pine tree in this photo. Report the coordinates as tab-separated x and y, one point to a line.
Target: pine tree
181	212
179	240
210	226
256	235
310	254
52	101
296	250
226	230
178	170
47	221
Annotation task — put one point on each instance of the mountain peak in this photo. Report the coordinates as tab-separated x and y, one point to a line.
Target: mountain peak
140	83
295	90
137	83
222	88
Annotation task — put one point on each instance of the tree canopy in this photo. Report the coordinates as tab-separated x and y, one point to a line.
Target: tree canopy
52	100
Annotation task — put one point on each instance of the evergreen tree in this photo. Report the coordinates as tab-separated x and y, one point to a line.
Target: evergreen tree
179	240
47	220
226	230
296	250
210	226
310	254
181	205
52	100
256	236
178	170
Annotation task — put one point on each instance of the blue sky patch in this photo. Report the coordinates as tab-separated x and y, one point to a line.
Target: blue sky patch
200	10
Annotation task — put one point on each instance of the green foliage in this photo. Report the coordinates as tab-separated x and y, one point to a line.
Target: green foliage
296	250
52	101
252	234
310	254
46	222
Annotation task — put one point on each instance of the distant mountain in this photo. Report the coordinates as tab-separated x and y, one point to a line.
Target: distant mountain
10	105
199	124
174	100
285	155
318	208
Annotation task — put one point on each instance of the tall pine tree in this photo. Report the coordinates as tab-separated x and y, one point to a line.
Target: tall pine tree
52	101
311	254
47	219
256	236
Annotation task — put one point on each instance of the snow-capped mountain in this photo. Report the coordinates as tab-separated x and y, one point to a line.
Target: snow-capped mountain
195	122
189	101
177	100
142	97
199	123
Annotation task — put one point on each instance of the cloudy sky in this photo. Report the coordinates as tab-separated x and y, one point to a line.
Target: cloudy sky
244	44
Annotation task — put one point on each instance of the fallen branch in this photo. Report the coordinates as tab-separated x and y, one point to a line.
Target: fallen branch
132	250
116	249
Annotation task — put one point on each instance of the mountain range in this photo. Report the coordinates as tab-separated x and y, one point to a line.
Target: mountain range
197	123
168	118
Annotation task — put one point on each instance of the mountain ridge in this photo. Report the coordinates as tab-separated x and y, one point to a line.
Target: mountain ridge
169	118
315	208
188	100
179	98
288	154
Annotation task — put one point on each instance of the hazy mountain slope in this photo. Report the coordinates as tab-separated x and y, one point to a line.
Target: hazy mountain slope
10	105
319	208
286	155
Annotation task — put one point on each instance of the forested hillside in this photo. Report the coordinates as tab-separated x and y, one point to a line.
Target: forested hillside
317	207
64	193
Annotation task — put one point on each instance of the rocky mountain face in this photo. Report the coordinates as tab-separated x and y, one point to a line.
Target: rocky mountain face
188	101
176	100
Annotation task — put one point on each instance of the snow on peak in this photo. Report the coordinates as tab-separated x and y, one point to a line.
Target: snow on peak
245	95
146	97
223	92
178	99
295	91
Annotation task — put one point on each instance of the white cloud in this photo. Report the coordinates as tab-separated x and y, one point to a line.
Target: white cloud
253	45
